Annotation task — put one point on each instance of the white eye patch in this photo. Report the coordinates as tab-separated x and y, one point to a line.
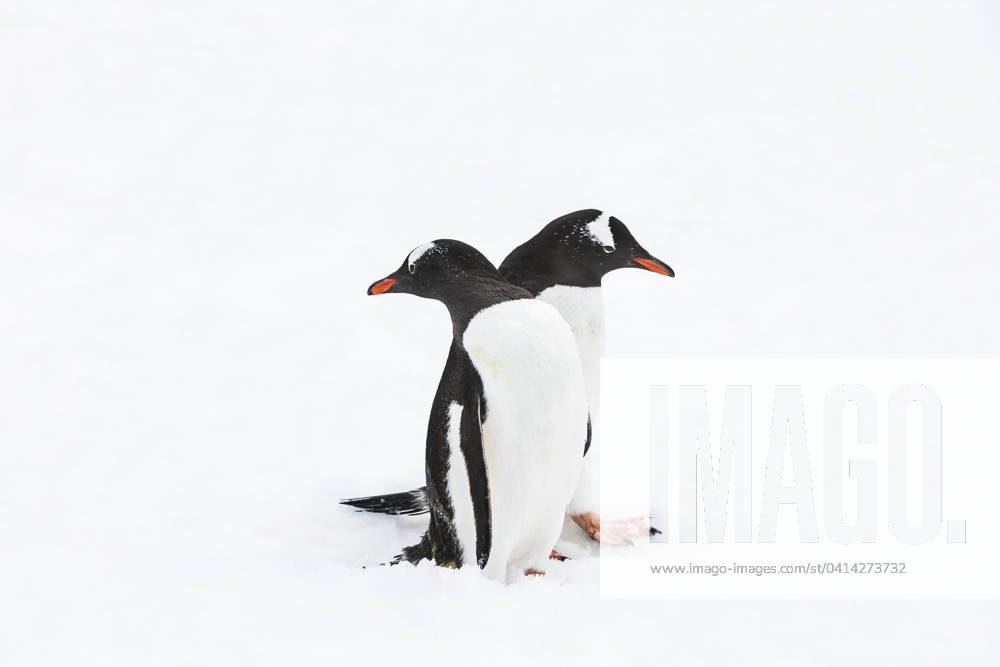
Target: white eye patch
417	253
600	231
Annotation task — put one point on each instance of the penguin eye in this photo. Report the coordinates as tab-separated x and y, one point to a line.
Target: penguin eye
412	267
609	248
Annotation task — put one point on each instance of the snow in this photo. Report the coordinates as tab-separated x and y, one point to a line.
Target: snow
195	195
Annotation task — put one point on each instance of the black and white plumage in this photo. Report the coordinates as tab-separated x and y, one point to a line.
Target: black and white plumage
563	265
509	420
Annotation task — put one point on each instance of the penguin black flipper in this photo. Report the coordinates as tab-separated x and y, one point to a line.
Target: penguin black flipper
475	463
456	471
472	451
408	503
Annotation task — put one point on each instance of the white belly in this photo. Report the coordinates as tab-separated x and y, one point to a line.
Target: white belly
583	310
535	427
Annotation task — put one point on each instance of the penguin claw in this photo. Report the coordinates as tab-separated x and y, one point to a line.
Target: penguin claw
531	572
555	555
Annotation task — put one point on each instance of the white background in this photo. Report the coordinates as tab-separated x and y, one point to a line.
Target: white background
195	194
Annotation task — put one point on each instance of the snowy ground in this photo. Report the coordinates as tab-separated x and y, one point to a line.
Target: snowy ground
195	195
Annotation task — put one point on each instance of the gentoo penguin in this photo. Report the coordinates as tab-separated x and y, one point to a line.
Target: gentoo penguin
509	422
563	265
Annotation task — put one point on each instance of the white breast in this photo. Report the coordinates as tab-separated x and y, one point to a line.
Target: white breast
535	426
583	310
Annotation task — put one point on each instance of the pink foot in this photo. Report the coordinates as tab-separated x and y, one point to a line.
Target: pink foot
613	531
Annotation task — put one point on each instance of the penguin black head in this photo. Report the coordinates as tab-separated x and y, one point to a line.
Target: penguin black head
578	249
454	273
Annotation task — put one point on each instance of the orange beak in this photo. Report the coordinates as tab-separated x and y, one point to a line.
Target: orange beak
382	286
654	266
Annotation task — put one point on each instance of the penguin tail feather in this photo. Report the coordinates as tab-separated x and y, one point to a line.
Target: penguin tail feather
408	503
